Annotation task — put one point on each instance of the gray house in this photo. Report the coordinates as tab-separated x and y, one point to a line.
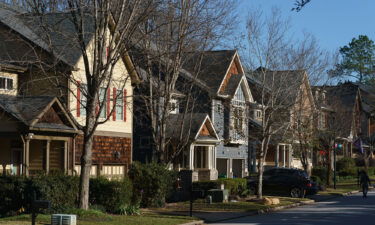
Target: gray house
226	98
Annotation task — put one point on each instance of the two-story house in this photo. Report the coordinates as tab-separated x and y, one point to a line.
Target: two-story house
226	100
41	113
289	93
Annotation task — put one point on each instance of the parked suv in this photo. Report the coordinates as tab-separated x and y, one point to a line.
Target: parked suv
281	181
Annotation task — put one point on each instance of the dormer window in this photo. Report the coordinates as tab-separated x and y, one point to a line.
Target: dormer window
6	83
258	114
173	106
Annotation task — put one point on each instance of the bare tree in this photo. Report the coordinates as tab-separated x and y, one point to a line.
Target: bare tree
272	90
102	32
177	35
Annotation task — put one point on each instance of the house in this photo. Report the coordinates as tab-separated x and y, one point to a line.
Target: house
288	92
43	108
225	96
221	100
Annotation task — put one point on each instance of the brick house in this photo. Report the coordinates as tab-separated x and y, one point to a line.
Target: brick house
26	58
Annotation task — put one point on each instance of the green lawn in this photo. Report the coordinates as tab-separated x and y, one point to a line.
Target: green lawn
343	186
144	219
241	206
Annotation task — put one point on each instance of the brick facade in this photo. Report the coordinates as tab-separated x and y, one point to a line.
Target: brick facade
105	150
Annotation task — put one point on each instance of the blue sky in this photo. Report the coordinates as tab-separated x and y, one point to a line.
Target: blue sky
333	22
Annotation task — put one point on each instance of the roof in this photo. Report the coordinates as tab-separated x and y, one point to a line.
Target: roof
286	82
25	109
55	33
29	110
233	83
193	122
212	66
342	99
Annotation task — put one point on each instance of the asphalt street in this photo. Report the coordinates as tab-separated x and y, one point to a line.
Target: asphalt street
341	211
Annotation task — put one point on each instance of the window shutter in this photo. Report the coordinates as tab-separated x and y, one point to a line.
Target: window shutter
124	97
78	98
108	102
114	104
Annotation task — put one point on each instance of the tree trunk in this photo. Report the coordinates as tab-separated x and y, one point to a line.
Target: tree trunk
84	181
329	167
260	177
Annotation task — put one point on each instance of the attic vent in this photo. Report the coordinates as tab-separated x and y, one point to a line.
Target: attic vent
63	219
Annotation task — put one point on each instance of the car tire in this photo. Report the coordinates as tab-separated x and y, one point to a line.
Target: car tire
296	192
252	190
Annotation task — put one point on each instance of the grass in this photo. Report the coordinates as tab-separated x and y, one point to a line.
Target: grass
241	206
105	219
343	186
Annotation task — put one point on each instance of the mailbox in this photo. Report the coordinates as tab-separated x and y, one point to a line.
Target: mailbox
40	204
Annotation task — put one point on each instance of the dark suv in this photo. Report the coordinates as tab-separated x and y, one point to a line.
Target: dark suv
281	181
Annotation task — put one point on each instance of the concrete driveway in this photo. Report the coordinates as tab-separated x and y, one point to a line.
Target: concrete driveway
339	211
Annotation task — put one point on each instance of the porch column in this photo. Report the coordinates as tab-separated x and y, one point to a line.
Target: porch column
65	156
230	174
290	151
26	156
48	144
209	157
284	160
277	155
191	157
214	156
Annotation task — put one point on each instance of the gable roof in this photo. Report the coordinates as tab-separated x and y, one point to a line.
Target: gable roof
29	111
55	33
212	66
193	124
286	82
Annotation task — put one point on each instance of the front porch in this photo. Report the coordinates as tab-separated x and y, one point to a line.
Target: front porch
33	154
36	136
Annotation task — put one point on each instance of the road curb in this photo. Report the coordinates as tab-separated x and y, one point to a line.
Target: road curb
197	222
266	211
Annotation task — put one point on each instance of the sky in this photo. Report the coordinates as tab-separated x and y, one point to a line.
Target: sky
333	22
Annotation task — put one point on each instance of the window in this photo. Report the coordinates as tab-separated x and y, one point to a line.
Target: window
102	101
173	106
238	116
258	114
120	105
200	157
219	107
83	99
6	83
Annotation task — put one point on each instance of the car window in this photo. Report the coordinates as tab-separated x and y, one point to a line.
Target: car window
269	172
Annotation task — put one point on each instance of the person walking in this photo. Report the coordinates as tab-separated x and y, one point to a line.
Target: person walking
364	182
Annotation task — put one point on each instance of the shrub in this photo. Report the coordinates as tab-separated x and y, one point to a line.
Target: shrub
236	186
316	179
17	193
61	190
11	194
111	194
151	183
345	164
321	172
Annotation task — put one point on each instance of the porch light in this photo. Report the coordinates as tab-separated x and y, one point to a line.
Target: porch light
29	136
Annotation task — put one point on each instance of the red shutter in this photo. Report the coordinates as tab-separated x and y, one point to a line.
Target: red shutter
124	97
78	98
108	102
114	104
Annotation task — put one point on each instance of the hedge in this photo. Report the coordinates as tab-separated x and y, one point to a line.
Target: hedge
236	186
111	195
151	183
17	193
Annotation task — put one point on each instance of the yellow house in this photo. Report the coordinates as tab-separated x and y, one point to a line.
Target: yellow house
56	96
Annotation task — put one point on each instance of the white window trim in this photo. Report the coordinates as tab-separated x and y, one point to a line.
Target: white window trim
6	83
